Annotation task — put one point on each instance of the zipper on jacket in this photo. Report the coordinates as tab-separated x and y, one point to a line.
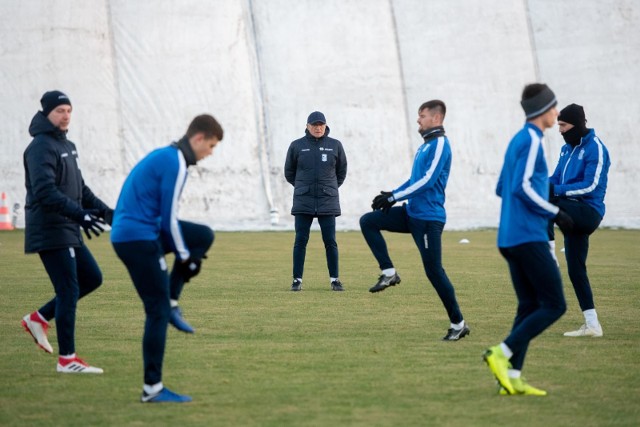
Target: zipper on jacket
316	165
566	165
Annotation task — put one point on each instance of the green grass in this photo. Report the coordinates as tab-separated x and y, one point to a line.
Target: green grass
265	356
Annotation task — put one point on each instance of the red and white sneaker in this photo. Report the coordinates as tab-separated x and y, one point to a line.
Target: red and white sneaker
75	365
37	327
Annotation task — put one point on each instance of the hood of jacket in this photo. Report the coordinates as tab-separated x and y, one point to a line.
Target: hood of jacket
40	124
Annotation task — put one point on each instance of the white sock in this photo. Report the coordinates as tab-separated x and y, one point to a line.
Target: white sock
552	249
389	271
506	350
299	279
153	389
174	303
457	326
332	279
514	373
591	318
70	356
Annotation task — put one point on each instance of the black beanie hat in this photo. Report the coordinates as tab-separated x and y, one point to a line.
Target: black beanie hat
52	99
573	114
540	103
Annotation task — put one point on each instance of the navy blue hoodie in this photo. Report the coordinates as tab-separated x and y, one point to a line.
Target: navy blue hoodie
56	192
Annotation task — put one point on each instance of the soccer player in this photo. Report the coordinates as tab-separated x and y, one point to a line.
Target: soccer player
58	205
423	216
146	227
316	166
578	186
522	240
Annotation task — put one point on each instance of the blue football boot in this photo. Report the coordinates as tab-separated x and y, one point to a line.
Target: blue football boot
176	319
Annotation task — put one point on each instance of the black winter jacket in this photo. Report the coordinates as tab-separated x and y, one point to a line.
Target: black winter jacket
56	192
316	167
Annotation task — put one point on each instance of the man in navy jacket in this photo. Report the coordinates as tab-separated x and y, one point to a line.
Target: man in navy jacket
423	216
316	166
58	205
578	186
522	240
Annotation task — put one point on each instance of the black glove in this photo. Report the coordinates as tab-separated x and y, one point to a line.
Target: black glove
383	201
189	268
552	197
564	221
90	222
107	215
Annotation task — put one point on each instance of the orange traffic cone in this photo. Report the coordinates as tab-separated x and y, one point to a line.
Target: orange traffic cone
5	218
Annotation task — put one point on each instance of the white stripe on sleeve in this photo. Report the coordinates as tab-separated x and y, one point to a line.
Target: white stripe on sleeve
536	142
596	176
176	235
427	176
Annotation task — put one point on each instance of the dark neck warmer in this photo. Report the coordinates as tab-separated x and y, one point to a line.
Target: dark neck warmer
184	146
432	132
574	135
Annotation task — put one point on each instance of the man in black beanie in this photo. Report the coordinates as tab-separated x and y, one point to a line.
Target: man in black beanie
578	186
52	99
58	206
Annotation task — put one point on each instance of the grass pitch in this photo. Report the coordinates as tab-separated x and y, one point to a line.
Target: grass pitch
265	356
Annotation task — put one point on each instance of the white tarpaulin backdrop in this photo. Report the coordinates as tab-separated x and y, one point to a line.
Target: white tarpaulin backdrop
137	72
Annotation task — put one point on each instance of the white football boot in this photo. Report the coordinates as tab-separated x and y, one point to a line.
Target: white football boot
37	327
586	331
75	365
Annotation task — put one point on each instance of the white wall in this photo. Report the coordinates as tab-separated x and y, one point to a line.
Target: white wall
137	72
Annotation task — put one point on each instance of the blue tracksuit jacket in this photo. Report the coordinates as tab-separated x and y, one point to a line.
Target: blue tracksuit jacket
148	203
429	174
524	188
582	172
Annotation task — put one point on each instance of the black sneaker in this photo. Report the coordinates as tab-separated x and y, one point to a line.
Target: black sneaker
336	285
455	335
296	285
384	282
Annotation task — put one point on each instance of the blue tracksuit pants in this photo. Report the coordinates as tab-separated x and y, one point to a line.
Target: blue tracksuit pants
145	261
147	267
328	230
428	238
538	286
74	273
586	220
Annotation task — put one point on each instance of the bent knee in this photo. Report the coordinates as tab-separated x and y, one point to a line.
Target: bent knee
209	235
92	282
558	309
365	220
